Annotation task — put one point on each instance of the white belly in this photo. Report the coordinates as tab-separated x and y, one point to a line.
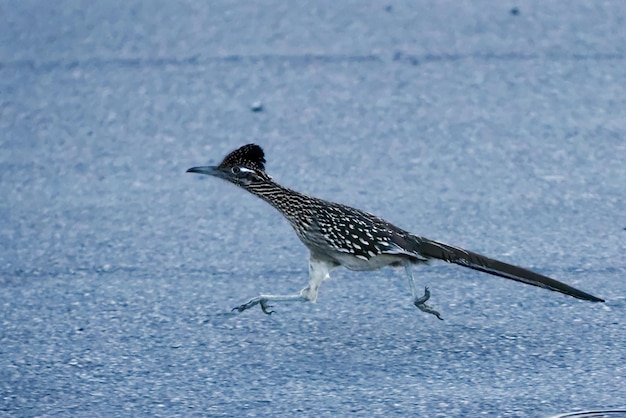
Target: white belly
352	262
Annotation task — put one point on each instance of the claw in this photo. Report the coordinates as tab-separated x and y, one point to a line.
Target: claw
248	305
264	301
266	308
421	305
424	298
239	308
255	301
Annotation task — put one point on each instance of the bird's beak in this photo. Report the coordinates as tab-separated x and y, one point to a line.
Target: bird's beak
208	170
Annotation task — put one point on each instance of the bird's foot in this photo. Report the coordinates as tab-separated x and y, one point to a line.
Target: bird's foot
259	300
420	303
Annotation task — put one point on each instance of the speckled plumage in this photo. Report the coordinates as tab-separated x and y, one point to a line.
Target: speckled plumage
339	235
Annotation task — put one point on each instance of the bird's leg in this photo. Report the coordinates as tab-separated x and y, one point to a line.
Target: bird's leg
264	300
420	302
318	272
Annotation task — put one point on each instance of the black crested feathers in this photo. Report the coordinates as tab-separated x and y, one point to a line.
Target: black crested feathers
250	156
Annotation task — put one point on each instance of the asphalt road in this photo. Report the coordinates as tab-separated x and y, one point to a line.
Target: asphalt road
496	126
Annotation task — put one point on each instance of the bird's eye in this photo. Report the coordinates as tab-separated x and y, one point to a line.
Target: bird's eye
235	170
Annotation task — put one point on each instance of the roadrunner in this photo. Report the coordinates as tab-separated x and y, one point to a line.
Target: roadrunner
338	235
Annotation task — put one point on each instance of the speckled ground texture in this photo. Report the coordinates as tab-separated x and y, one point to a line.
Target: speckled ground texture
496	126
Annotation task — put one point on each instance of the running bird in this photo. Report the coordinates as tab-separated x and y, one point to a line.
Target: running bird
338	235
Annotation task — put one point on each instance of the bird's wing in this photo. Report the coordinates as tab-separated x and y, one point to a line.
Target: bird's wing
445	252
347	230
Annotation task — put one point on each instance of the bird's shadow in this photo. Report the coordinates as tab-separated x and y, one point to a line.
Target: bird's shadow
219	317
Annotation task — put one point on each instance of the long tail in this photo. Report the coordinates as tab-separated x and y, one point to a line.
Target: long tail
445	252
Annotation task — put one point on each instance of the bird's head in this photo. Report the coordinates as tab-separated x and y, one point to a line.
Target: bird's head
243	167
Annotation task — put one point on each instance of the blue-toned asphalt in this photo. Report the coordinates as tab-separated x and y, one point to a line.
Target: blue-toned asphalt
465	122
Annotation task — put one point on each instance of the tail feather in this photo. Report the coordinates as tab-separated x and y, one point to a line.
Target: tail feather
450	254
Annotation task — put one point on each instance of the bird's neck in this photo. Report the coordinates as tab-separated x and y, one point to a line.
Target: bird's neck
288	202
